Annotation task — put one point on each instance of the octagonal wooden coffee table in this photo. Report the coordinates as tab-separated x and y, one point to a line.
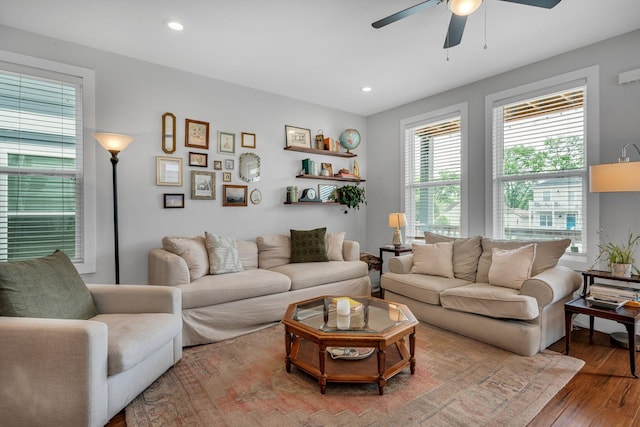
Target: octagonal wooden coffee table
315	345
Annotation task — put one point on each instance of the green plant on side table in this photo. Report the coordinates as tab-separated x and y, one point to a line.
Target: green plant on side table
352	196
619	257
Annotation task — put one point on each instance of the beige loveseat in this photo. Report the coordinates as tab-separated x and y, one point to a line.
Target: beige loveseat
216	307
477	296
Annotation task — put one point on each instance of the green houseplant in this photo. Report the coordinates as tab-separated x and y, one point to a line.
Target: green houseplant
619	257
351	195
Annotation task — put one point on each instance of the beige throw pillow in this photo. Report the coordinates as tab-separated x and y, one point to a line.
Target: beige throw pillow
223	254
334	242
434	259
192	250
466	253
510	268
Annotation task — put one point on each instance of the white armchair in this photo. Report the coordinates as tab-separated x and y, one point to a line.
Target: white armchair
83	372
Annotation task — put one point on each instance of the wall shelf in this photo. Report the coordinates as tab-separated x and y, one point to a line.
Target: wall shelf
331	178
322	152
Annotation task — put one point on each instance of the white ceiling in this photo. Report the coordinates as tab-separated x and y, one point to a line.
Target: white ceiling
324	51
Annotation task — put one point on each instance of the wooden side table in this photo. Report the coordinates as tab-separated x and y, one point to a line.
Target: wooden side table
628	316
395	250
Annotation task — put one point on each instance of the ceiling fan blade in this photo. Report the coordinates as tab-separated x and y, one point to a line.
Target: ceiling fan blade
547	4
454	33
404	13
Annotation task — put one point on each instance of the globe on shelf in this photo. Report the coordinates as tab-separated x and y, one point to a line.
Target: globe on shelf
350	139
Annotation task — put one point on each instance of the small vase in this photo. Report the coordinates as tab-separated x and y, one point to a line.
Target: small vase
623	270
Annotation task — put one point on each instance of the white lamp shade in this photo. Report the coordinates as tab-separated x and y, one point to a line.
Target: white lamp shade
113	141
614	177
463	7
397	219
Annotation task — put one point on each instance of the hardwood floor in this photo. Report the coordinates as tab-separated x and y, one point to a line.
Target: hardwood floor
603	393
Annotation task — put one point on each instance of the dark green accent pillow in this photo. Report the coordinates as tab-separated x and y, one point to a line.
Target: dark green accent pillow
308	245
48	287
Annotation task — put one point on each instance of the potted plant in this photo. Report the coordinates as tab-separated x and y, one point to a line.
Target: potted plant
351	195
619	257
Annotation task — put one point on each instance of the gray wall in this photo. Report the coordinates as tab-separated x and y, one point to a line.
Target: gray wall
132	95
619	124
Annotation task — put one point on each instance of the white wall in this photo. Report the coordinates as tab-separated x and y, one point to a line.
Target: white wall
619	124
132	95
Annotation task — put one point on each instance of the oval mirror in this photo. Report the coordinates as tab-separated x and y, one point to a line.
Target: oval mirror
249	167
168	133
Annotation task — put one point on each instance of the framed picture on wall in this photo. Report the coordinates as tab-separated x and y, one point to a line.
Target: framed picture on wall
234	195
199	160
203	185
196	134
226	143
168	171
228	164
217	165
248	140
173	201
226	176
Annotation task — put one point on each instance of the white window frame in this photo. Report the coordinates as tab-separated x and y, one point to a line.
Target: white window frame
590	78
462	110
88	264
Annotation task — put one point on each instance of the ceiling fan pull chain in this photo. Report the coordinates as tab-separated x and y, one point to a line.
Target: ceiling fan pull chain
485	24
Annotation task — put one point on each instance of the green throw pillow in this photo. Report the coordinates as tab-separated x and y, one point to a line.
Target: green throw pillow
308	245
48	287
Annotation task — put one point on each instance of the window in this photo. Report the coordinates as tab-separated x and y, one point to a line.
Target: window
432	173
539	166
42	176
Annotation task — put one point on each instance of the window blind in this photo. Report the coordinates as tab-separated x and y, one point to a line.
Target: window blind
432	177
41	174
539	168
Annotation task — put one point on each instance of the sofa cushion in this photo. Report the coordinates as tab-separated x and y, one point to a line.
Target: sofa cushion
47	287
466	253
334	243
548	252
511	268
248	253
491	301
134	337
193	250
221	288
309	274
273	250
419	287
309	245
223	254
435	259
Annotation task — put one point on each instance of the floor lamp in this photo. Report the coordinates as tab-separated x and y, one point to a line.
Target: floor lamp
612	178
114	143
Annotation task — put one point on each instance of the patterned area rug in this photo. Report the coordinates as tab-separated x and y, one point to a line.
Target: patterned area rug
458	382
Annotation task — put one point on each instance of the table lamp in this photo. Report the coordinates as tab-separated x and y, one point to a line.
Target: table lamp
397	220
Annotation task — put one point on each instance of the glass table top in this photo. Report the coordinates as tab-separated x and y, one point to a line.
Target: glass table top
366	315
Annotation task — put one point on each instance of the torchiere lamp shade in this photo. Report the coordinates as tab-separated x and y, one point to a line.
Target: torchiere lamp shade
614	177
113	141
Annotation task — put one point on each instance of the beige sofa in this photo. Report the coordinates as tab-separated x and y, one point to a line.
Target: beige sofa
479	299
216	307
69	372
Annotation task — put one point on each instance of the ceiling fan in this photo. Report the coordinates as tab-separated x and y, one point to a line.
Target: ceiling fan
460	9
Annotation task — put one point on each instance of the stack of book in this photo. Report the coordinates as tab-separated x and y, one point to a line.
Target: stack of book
613	295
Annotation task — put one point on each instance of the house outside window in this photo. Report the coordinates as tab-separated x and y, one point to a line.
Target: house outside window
42	177
432	183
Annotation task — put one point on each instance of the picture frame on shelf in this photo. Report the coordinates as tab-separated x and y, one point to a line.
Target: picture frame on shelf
196	134
234	195
226	142
328	167
168	171
297	137
203	185
173	200
226	176
327	192
229	164
248	140
199	160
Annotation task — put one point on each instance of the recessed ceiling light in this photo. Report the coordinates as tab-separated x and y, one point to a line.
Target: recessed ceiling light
366	89
174	25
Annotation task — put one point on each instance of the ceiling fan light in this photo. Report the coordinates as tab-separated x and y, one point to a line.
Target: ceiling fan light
463	7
